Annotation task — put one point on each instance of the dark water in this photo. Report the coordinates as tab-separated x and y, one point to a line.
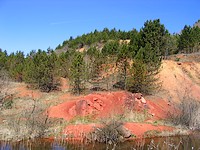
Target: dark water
191	142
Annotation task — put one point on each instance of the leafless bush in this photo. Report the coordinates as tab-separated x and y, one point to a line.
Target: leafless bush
4	82
188	113
112	132
32	122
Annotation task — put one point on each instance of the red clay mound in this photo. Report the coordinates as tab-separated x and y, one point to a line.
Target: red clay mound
105	104
97	104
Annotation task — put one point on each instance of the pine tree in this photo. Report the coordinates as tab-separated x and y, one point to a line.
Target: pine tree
16	65
153	33
40	70
123	56
77	73
185	40
3	59
142	77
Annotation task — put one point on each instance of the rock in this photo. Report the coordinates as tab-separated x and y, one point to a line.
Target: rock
81	106
143	100
179	63
138	95
124	132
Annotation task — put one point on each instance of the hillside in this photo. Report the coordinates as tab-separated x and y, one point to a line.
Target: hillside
179	79
130	83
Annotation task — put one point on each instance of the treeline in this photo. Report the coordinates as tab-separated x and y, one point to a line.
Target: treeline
95	37
135	63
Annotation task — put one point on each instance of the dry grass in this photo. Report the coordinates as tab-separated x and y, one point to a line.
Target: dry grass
134	116
188	114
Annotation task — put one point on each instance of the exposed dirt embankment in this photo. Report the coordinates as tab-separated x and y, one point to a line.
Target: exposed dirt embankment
179	80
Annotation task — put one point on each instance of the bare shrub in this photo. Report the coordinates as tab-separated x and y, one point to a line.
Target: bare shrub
188	113
32	122
4	82
112	132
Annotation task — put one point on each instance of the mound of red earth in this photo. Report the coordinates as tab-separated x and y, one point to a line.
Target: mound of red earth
105	104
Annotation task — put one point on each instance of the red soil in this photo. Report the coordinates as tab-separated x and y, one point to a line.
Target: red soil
24	92
78	132
105	104
97	104
139	129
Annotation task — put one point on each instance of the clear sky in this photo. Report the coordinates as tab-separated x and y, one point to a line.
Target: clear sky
38	24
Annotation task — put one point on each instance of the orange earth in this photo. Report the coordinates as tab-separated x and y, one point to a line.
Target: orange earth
106	104
178	80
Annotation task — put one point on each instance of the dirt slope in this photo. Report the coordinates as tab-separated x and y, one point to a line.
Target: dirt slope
180	79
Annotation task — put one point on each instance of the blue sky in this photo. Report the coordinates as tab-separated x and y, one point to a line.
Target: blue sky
38	24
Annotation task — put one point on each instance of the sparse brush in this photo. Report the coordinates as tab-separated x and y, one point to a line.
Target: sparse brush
134	116
188	114
111	133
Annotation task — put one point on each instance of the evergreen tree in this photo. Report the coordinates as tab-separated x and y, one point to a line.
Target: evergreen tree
196	38
3	59
110	48
145	67
185	40
95	62
136	81
153	33
123	56
77	73
40	70
16	65
171	45
64	63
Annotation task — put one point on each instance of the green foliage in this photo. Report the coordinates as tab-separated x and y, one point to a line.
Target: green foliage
136	63
123	56
77	73
110	48
153	33
185	42
171	44
147	59
8	104
95	60
136	81
40	70
3	59
94	37
16	65
64	63
189	39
